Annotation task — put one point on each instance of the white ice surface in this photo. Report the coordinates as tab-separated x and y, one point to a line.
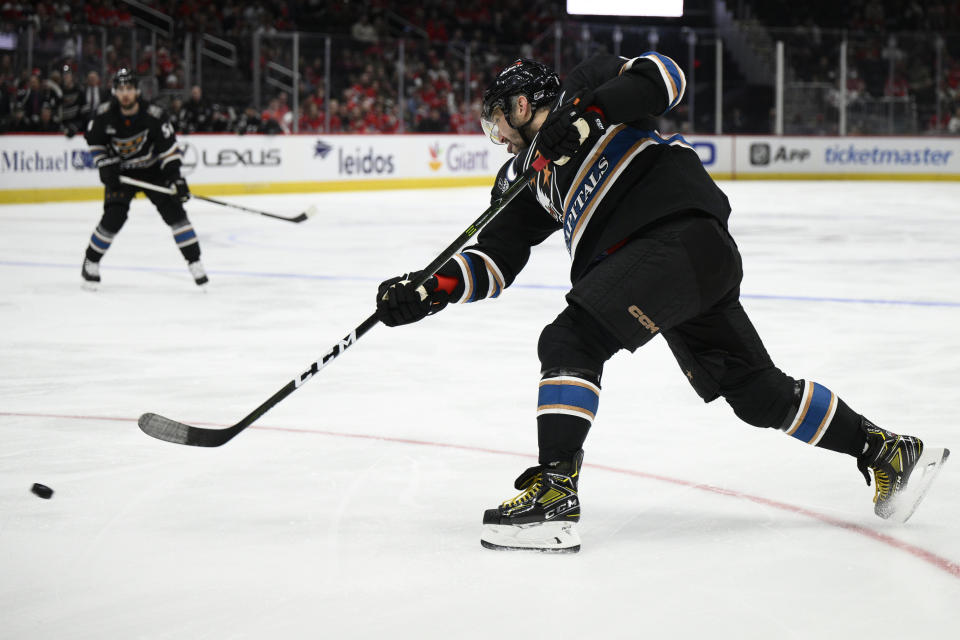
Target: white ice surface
352	509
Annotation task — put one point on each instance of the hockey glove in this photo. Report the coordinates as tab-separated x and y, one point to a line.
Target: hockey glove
183	191
568	126
398	302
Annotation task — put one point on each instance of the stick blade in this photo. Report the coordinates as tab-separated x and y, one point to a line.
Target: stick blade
156	426
305	215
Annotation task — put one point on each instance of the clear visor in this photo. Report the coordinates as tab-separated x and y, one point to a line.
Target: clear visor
489	119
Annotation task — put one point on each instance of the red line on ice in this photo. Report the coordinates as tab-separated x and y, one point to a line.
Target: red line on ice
949	566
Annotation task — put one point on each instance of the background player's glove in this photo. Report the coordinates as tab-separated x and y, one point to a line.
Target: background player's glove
398	302
110	176
568	126
183	191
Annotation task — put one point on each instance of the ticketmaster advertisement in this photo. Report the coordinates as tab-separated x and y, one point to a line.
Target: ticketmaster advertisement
848	157
35	168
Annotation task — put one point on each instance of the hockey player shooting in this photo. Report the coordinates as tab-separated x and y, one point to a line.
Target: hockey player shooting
131	137
646	229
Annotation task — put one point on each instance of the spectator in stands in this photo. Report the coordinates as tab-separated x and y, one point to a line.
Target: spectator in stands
272	118
856	87
31	100
47	123
176	106
311	120
248	122
196	115
433	122
318	96
17	123
336	117
363	30
93	95
53	93
954	125
387	120
71	105
223	118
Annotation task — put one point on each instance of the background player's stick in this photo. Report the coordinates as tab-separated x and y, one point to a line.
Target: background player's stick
180	433
171	191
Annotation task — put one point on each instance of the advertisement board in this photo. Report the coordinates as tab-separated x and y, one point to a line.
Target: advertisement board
37	168
848	157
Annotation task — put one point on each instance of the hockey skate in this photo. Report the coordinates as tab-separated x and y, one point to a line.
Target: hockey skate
91	274
903	470
198	272
542	516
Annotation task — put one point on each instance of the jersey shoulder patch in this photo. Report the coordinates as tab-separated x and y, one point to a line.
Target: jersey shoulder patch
156	111
104	107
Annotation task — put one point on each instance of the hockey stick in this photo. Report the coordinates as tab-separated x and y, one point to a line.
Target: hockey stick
171	191
177	432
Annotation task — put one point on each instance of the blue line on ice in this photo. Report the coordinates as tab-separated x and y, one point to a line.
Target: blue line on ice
310	276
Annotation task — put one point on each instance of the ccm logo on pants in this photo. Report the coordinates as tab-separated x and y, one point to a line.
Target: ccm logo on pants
645	321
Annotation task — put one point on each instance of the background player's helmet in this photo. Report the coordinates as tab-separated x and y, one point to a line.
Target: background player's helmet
532	79
123	76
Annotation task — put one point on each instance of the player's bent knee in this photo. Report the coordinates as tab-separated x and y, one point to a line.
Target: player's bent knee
575	340
765	399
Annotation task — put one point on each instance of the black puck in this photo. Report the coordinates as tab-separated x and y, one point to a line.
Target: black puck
42	490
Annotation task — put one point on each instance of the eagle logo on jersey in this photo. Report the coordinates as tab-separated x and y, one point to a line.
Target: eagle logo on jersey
127	147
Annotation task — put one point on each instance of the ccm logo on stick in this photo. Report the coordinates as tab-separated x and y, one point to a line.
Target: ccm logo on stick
645	321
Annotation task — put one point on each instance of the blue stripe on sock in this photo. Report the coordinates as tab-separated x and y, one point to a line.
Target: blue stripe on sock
186	235
570	395
819	407
97	242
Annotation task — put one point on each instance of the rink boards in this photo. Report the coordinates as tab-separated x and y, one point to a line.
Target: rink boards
43	168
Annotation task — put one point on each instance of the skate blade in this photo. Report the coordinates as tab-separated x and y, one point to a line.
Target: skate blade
90	285
928	466
546	537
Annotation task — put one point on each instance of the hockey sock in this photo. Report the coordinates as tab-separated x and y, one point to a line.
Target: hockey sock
100	241
824	420
186	239
567	403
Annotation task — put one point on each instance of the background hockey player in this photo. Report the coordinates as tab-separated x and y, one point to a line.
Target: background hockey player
129	136
646	229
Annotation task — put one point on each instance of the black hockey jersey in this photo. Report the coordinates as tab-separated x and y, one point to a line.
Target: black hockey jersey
71	116
619	182
139	141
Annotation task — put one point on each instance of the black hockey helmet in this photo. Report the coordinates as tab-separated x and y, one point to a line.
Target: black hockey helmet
535	80
123	76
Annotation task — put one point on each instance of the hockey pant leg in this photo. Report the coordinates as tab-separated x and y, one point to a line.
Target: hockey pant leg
721	354
172	212
116	204
656	280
